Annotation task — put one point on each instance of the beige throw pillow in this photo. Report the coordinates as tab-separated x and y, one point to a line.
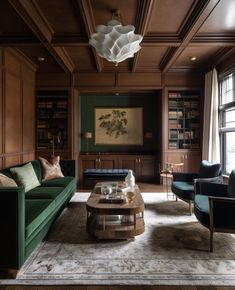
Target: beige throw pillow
51	170
7	181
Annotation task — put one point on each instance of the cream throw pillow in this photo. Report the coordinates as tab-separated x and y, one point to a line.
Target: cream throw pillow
25	176
51	170
7	181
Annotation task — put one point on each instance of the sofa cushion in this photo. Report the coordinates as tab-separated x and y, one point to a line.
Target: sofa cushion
44	192
7	181
36	212
208	170
25	176
183	189
59	182
201	209
51	170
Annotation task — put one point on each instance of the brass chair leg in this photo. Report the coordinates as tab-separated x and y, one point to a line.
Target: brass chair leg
190	207
211	241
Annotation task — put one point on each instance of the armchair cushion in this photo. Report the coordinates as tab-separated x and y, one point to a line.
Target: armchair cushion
201	209
208	169
183	189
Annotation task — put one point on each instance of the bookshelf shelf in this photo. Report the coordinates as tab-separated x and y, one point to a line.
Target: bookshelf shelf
183	120
52	120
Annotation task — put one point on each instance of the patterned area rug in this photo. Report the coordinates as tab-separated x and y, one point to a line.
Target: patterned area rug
172	251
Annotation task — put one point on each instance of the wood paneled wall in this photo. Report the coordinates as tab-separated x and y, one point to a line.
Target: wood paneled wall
17	108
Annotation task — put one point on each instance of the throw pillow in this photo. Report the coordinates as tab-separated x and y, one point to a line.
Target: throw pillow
51	170
208	169
7	181
25	176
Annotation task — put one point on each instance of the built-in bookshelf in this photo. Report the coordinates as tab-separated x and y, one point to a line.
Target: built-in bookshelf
183	120
52	120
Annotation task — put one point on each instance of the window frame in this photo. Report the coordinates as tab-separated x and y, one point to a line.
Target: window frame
223	108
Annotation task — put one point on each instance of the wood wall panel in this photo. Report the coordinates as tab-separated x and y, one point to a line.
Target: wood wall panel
139	79
12	160
11	63
28	157
17	117
13	138
54	80
28	117
183	79
94	79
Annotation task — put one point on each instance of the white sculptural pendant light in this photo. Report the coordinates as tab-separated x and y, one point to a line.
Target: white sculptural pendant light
115	42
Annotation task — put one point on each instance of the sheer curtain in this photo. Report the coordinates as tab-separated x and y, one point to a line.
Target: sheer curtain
210	138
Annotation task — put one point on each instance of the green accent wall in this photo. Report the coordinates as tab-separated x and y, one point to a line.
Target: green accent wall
151	104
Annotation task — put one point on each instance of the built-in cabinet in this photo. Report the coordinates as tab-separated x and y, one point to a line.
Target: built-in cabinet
145	167
182	127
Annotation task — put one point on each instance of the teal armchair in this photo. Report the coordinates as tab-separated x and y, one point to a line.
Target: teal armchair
214	207
185	185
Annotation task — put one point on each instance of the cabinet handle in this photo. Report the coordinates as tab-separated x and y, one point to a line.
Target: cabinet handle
139	160
186	156
136	160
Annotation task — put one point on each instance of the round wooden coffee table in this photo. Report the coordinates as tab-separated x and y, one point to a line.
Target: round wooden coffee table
115	220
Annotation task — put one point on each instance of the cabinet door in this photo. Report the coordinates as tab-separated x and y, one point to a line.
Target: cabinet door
107	162
129	162
191	160
147	168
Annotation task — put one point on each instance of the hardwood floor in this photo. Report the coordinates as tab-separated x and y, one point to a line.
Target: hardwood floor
114	288
144	187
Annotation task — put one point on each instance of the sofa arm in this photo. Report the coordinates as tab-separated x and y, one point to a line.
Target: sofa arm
179	176
222	213
12	227
68	167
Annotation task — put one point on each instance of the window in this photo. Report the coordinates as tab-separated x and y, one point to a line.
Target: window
227	122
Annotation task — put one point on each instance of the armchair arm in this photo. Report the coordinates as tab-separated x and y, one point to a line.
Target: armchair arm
179	176
213	189
199	181
222	213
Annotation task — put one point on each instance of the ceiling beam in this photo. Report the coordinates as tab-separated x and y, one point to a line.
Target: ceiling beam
34	18
193	23
89	23
142	20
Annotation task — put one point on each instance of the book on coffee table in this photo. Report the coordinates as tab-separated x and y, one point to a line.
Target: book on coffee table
112	198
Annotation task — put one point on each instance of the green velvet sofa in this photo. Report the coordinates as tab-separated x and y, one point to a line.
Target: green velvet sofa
26	217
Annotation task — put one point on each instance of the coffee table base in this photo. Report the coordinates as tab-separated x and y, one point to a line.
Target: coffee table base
115	226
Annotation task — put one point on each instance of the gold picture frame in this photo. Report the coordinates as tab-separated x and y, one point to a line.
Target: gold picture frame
118	126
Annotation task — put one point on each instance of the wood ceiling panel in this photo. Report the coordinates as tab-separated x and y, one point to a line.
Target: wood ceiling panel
48	65
82	58
150	58
203	54
10	21
62	16
221	20
168	15
102	10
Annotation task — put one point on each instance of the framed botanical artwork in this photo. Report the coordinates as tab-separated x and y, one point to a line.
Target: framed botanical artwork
119	126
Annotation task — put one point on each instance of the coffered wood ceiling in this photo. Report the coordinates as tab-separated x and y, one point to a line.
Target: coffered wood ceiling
173	30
